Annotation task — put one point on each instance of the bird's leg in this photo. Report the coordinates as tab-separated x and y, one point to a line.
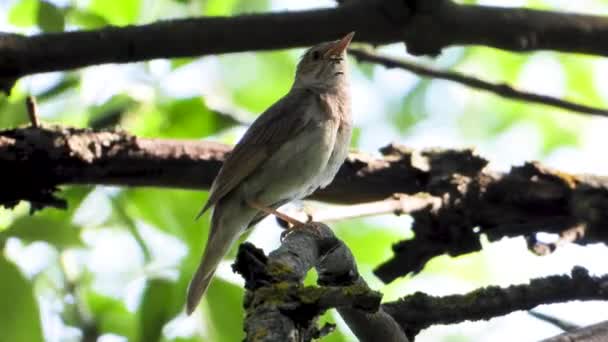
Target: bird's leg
270	211
295	223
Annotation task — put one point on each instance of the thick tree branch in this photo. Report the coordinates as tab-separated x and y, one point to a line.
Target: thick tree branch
419	311
526	200
426	27
279	308
465	201
592	333
502	89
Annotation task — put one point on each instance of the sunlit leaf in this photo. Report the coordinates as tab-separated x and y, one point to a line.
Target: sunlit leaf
24	13
153	312
58	233
272	76
50	225
119	13
412	109
190	118
67	82
225	302
180	62
110	113
248	6
219	7
19	317
580	72
172	211
182	118
336	335
85	19
111	315
12	110
50	17
369	244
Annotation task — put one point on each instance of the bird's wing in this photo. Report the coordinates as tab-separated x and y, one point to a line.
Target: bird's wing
283	120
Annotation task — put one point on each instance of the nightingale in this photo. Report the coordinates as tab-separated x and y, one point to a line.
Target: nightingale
295	147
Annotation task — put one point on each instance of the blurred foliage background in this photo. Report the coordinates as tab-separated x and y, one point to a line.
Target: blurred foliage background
115	265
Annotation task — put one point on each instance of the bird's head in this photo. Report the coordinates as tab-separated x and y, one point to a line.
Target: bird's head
324	65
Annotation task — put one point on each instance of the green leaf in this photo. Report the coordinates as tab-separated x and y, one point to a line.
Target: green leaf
110	113
50	225
269	75
172	211
183	118
58	233
50	17
412	110
24	13
219	7
369	244
180	62
111	315
119	13
85	19
190	118
153	312
69	81
19	317
12	110
225	302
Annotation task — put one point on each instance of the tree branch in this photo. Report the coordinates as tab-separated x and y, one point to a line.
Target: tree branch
465	201
280	309
426	27
526	200
419	311
503	89
592	333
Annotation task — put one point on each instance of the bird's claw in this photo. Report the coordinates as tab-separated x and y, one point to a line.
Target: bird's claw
310	226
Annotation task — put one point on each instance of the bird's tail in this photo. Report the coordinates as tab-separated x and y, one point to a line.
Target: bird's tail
220	240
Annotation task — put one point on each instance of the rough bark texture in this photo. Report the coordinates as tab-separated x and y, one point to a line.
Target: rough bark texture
280	308
593	333
425	26
419	311
470	200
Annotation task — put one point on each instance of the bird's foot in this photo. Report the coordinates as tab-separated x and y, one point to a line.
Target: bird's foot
272	211
309	226
295	223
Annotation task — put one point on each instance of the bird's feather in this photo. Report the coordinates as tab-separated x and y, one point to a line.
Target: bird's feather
268	133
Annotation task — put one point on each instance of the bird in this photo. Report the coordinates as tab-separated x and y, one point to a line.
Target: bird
292	149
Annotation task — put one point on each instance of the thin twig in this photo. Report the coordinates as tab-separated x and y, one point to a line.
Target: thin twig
32	111
398	204
500	89
558	322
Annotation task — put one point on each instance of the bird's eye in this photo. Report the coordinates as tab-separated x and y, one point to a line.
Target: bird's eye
316	55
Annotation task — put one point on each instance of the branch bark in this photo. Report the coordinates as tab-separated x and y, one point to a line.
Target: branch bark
592	333
279	308
419	311
425	26
465	201
500	89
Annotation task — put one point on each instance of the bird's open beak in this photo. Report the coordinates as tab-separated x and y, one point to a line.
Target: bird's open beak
338	47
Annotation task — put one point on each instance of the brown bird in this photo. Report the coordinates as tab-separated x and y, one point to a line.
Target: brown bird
295	147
